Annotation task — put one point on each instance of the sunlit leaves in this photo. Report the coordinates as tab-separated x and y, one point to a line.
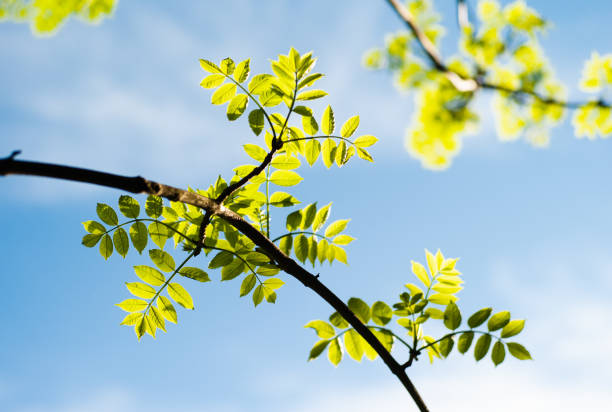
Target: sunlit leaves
212	81
133	305
242	71
194	273
518	351
121	242
129	206
139	235
479	317
328	123
482	346
498	321
512	328
311	95
285	178
149	275
237	106
498	353
141	290
323	329
452	316
381	313
360	308
180	295
162	260
209	66
107	214
349	127
106	247
256	121
154	206
223	94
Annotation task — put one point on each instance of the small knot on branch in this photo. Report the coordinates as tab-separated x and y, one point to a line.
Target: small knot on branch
14	154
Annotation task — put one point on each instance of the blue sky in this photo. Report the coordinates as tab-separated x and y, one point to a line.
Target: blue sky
532	226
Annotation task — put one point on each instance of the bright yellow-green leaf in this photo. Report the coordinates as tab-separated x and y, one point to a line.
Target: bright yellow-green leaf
285	178
162	260
353	345
180	295
140	289
107	214
285	162
381	313
227	66
336	227
154	206
247	284
360	309
94	227
498	321
310	125
237	106
166	309
317	349
341	152
209	66
311	95
156	317
90	240
131	319
258	295
223	94
482	347
343	239
150	275
364	154
349	127
309	80
212	81
230	271
323	329
328	150
328	123
255	151
312	151
365	141
339	254
514	327
301	247
273	283
159	233
242	71
141	327
133	305
321	217
194	273
256	121
498	353
442	299
420	272
260	83
282	199
334	352
518	351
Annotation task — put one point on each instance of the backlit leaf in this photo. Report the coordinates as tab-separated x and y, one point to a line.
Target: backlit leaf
91	240
334	352
107	214
498	353
209	66
311	95
166	309
133	305
282	199
321	217
336	227
381	313
237	106
194	273
285	178
482	347
180	295
154	206
317	349
498	321
365	141
106	247
212	81
242	71
360	309
352	343
514	327
140	289
464	342
162	260
248	283
518	351
256	121
94	227
254	151
323	329
150	275
452	316
227	66
328	123
349	127
223	94
312	151
258	295
139	236
159	233
479	317
121	242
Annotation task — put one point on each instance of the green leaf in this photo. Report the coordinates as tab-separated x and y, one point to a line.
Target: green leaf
106	247
336	227
420	272
232	270
166	309
328	123
285	244
309	80
242	71
303	111
339	254
385	337
321	217
260	83
194	273
159	233
162	260
94	227
129	206
150	275
362	153
434	313
310	125
441	299
285	178
381	313
154	206
140	289
248	283
90	240
223	94
446	346
120	239
133	305
482	347
360	309
268	270
341	153
308	215
237	106
311	95
518	351
498	354
312	150
131	319
513	328
294	219
464	342
141	327
209	66
328	150
479	317
273	283
365	141
323	329
222	258
270	97
107	214
282	199
318	349
338	321
255	152
353	345
212	81
157	318
343	239
349	127
227	66
139	236
258	295
285	162
256	121
301	247
180	295
334	352
498	321
452	316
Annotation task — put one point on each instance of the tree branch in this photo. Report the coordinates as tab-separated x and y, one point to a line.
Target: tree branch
138	184
471	84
